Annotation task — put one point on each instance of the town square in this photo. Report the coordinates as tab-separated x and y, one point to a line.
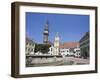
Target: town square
54	49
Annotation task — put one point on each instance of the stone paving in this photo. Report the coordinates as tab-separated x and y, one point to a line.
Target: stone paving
77	60
64	61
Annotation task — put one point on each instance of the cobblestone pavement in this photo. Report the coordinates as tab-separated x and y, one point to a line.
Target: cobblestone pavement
64	61
77	60
47	64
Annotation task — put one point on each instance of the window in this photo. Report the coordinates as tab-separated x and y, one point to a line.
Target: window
26	48
29	49
30	44
26	43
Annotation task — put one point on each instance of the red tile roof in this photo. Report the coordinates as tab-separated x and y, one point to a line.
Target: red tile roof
69	45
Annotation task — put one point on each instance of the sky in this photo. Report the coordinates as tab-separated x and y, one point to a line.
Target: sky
71	27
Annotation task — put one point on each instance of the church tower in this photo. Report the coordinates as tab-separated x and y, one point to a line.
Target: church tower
46	33
56	44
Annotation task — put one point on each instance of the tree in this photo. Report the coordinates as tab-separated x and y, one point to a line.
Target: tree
44	48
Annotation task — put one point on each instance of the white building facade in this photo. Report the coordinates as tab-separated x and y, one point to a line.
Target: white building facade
64	51
30	46
51	50
70	49
77	52
54	49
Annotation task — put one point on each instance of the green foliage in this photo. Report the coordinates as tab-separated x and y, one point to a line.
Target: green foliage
44	48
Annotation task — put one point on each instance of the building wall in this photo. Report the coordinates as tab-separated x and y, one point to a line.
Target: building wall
77	52
84	45
30	46
64	51
70	52
51	50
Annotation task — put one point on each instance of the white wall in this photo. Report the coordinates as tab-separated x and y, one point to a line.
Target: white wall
5	40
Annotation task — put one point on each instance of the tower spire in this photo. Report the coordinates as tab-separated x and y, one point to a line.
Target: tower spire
57	34
56	44
46	33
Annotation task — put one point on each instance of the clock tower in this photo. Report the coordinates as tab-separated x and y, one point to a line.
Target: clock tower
46	33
